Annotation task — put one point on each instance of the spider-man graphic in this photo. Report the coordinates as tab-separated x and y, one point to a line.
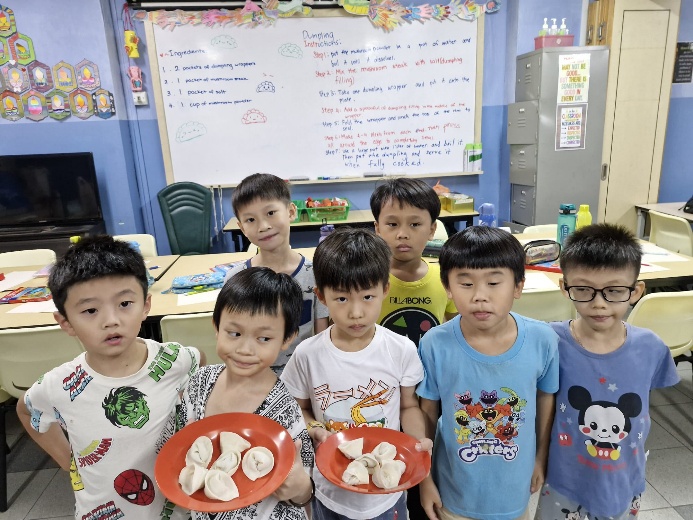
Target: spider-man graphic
135	487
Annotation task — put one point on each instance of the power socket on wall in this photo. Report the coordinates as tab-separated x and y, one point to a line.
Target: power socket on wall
140	98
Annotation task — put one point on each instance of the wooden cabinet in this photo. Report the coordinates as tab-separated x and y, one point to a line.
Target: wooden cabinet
600	16
592	23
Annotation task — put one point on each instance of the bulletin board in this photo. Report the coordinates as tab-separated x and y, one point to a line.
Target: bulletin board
330	95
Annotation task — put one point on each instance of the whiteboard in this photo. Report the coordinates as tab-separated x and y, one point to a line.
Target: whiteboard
315	97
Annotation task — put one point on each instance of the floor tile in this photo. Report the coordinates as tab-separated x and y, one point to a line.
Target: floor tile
676	419
659	438
660	514
651	499
665	472
23	490
669	395
685	386
26	455
57	500
686	512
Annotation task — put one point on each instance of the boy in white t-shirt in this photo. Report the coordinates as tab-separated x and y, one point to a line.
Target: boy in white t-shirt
353	360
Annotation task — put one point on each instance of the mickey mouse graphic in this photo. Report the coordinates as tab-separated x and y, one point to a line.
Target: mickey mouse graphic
605	423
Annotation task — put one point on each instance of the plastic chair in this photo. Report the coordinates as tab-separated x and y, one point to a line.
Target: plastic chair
441	233
670	316
187	211
26	354
195	330
545	306
146	242
544	229
672	233
27	257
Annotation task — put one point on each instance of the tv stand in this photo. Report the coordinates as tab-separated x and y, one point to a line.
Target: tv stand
52	237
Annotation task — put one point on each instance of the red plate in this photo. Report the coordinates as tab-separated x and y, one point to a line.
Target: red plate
256	429
331	462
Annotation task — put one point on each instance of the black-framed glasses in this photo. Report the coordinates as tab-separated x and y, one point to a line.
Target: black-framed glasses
612	294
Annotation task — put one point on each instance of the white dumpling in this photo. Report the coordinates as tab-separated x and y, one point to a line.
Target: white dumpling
257	462
355	474
384	451
369	461
352	449
192	478
228	462
200	453
230	441
387	475
219	486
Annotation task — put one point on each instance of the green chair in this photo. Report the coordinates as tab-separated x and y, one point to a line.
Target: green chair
187	211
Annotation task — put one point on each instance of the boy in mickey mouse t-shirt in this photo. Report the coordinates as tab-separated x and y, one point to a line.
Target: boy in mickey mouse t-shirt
607	369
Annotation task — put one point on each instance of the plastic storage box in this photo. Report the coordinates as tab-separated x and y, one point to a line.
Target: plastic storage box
456	202
320	213
558	40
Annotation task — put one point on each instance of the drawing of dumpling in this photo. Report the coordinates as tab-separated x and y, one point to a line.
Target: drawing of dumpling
192	478
224	41
39	77
200	453
189	131
34	105
57	103
257	462
291	50
81	104
265	86
220	486
253	116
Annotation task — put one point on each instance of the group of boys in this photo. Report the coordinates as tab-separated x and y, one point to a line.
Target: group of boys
513	405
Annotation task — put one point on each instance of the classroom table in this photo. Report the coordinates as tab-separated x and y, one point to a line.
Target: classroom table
674	209
356	218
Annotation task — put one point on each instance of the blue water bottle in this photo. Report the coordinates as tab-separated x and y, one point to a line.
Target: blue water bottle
566	222
487	215
325	231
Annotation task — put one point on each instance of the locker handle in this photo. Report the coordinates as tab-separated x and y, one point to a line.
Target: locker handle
600	31
522	152
528	65
605	170
589	34
521	111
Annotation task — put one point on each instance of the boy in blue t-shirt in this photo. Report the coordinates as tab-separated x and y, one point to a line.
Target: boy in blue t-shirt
607	369
494	374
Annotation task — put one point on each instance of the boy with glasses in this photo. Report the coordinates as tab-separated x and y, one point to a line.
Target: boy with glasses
607	369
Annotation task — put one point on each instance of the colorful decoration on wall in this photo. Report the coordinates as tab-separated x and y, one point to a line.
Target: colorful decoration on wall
21	48
104	106
11	106
386	14
40	77
34	105
87	75
16	77
81	104
7	23
58	105
4	51
64	75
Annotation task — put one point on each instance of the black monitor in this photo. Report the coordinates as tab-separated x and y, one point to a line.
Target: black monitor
48	189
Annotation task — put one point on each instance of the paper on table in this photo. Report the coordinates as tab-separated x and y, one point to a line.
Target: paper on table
536	281
649	268
203	297
33	307
653	254
15	278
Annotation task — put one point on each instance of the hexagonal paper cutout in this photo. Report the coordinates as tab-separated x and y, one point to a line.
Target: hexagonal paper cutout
87	75
16	77
40	76
34	105
4	51
104	105
21	48
11	106
8	26
58	105
64	77
81	104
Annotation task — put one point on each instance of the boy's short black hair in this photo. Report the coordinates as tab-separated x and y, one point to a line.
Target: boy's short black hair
482	247
412	192
263	186
260	290
351	259
601	246
91	258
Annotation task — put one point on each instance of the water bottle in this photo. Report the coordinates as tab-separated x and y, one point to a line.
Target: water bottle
566	222
584	217
325	231
487	215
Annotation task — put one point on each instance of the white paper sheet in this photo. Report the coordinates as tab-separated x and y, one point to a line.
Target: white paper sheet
649	268
653	254
14	278
32	307
537	281
203	297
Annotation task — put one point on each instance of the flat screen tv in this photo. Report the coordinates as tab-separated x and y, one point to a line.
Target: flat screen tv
48	189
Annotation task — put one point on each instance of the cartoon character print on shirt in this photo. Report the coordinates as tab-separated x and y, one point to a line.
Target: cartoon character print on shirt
76	382
97	450
75	478
126	406
35	414
135	487
107	511
489	426
412	322
605	423
163	361
354	407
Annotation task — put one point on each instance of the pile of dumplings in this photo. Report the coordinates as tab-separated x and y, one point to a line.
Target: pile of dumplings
217	482
380	463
